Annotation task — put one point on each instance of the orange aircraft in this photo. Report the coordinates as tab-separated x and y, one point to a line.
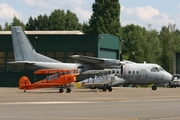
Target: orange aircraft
59	78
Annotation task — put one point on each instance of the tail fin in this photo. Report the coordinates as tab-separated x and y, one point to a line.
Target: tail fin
23	50
23	82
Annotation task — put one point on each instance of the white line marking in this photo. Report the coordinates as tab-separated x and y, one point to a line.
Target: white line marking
47	102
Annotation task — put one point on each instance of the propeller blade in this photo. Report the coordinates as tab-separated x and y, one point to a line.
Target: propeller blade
121	59
121	69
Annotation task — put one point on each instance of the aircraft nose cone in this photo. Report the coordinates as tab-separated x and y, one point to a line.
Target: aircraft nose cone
168	77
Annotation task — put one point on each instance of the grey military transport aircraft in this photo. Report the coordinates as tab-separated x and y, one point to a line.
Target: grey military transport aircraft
133	73
121	71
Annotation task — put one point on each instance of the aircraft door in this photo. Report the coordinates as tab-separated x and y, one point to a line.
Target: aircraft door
143	73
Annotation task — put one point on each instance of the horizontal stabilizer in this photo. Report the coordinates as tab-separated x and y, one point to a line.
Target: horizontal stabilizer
21	62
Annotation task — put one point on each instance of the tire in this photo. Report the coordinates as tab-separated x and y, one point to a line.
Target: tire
154	87
61	90
68	90
110	89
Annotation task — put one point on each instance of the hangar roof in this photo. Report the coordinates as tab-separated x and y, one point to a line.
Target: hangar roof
44	32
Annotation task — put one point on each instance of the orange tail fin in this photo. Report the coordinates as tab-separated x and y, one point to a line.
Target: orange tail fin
23	82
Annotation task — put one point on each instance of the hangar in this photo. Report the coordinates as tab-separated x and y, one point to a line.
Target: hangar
58	45
176	63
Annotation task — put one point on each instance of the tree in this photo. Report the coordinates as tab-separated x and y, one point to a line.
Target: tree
7	27
1	28
170	39
42	22
58	20
17	22
71	21
134	42
105	18
85	27
31	25
153	48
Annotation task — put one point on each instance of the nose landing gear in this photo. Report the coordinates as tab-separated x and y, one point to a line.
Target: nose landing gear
154	87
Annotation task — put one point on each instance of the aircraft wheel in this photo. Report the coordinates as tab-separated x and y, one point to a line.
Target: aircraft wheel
110	89
104	89
61	90
154	87
68	90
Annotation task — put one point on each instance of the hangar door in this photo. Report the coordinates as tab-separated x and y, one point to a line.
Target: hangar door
109	46
177	63
105	53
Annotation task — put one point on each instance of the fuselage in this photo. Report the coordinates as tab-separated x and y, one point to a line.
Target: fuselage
133	73
139	73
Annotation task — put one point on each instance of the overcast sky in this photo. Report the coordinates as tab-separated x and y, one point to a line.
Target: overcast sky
158	13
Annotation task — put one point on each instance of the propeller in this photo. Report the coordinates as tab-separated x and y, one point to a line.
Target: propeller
121	59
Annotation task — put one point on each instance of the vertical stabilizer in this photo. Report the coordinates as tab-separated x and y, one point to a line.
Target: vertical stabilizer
23	82
23	50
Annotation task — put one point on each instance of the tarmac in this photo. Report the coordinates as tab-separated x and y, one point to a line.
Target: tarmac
124	103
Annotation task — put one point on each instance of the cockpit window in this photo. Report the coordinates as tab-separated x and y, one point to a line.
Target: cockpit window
51	77
155	69
161	69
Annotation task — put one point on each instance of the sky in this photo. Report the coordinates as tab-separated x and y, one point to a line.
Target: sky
154	13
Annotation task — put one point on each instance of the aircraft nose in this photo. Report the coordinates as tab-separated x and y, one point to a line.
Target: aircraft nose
168	77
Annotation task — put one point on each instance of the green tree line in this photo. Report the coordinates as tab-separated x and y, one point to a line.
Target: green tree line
147	44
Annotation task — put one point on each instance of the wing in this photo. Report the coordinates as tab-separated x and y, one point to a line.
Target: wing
85	84
88	59
52	71
91	85
102	72
100	62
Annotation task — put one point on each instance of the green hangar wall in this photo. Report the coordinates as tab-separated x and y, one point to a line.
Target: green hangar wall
176	63
57	45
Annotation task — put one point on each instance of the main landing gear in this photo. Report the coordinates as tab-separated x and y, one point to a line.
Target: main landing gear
61	90
107	87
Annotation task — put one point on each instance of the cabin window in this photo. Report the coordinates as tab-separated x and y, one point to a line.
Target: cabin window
129	72
137	72
133	72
